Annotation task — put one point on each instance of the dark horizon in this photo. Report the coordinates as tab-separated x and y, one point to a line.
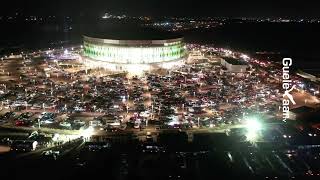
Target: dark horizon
199	8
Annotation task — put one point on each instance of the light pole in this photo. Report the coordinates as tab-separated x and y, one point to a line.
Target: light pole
159	109
152	116
127	106
39	123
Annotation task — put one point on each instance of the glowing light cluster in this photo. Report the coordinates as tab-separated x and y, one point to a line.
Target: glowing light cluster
87	132
253	127
253	124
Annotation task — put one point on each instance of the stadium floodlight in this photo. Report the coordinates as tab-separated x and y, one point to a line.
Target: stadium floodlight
253	124
253	127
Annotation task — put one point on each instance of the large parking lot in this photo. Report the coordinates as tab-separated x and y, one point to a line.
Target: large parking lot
53	89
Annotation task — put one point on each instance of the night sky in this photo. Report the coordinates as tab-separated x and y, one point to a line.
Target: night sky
228	8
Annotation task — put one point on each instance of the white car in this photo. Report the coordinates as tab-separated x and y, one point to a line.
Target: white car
65	124
113	123
136	125
145	114
42	114
82	123
95	123
79	109
47	121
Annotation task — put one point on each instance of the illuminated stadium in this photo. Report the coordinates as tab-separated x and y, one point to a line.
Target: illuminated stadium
133	52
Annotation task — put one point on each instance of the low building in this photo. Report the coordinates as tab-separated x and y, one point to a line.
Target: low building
234	65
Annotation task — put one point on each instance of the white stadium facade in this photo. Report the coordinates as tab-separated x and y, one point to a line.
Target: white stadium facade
120	54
